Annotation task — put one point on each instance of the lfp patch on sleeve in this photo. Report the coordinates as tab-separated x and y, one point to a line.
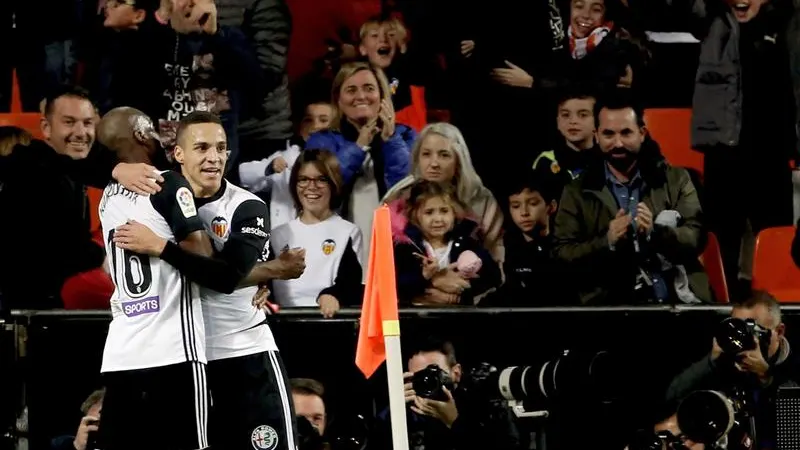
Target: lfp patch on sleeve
186	202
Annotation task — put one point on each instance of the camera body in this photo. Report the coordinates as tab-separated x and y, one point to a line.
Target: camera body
430	381
737	335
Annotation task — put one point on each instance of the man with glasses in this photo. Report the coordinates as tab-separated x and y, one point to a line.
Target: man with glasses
127	14
251	403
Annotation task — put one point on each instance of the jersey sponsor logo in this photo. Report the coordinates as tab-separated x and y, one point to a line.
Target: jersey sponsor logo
219	226
255	231
328	246
186	202
147	305
264	437
260	222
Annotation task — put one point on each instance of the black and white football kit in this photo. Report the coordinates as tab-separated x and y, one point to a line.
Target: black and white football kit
154	361
252	406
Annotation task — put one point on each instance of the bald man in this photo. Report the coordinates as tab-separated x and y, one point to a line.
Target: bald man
131	135
154	358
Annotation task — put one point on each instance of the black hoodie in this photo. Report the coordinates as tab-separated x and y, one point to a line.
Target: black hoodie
46	227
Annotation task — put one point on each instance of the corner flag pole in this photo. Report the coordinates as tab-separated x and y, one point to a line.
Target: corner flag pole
379	330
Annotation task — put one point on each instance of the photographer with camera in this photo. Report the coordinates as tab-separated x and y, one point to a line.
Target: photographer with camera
749	360
440	414
86	436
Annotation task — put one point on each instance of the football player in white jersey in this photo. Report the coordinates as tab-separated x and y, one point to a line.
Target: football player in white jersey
154	358
249	386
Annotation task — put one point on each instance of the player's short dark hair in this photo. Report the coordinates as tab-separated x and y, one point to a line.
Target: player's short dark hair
93	399
307	386
616	100
196	118
327	164
65	91
429	344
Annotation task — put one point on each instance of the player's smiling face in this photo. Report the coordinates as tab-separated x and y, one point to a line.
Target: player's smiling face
202	151
70	127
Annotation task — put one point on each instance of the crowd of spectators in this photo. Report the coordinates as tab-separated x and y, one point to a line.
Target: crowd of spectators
516	160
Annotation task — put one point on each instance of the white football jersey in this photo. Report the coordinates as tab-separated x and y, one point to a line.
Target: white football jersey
237	223
325	244
156	313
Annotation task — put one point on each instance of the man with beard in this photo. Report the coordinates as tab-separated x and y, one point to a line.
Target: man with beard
630	229
46	212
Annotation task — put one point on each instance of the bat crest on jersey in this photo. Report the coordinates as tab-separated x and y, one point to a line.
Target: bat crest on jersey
264	437
186	202
219	226
328	246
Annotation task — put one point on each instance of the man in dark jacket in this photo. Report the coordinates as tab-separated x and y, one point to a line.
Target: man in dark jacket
744	117
760	371
46	214
630	228
267	24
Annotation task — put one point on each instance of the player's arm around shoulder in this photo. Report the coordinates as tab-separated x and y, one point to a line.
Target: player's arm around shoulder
175	202
249	234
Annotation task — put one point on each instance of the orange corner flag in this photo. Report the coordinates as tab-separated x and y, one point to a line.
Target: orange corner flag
379	316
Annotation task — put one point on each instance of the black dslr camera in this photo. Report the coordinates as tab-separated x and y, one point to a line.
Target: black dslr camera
736	335
428	383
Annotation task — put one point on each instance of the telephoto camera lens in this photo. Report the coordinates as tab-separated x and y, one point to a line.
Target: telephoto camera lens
428	383
573	375
706	416
347	433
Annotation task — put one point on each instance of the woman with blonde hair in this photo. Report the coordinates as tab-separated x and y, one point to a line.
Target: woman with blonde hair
441	155
373	151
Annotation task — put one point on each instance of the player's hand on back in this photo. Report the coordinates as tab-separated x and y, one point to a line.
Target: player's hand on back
88	424
292	263
261	299
140	178
138	238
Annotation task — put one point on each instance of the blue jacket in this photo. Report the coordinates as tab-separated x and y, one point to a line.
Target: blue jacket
396	154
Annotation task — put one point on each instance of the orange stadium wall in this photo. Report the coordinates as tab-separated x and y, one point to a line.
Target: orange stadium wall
313	21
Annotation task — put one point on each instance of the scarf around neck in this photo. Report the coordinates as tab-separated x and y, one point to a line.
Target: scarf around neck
580	47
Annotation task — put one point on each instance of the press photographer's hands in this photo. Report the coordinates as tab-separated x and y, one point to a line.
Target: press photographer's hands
752	361
444	411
